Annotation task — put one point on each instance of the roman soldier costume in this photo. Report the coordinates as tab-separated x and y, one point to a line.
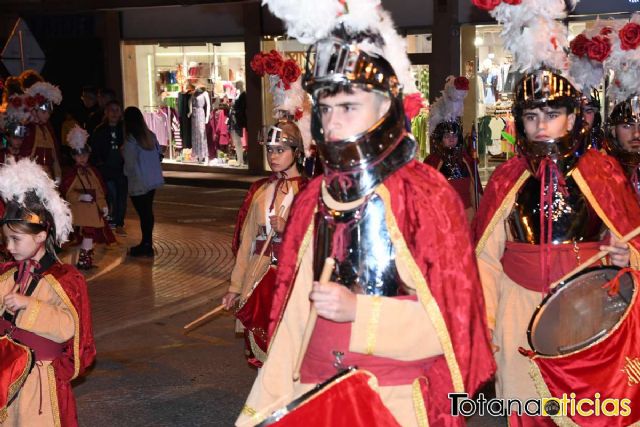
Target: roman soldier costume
399	240
41	143
626	112
545	211
54	329
256	245
453	162
13	123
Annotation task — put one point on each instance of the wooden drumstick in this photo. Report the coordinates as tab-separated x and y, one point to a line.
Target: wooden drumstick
625	239
204	317
327	269
266	242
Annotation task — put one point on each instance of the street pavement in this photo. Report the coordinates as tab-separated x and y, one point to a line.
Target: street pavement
148	372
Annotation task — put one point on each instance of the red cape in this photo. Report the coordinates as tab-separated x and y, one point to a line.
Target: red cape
431	222
610	193
80	351
246	204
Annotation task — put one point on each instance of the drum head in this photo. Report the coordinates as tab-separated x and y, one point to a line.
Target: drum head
579	312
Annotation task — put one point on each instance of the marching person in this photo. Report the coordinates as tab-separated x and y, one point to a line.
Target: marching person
404	301
14	127
41	143
623	142
44	304
449	156
264	212
85	191
544	211
592	117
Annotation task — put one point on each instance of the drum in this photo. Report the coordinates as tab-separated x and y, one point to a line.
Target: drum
580	312
254	316
345	400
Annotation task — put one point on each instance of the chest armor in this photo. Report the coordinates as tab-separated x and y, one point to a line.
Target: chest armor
454	169
572	217
367	265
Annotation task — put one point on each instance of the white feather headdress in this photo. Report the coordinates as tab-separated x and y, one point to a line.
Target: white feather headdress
533	33
587	72
77	138
624	60
296	103
19	178
312	20
449	106
47	91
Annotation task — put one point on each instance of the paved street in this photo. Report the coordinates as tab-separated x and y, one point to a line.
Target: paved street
148	373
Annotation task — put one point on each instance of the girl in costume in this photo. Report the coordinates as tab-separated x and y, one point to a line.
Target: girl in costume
85	191
43	303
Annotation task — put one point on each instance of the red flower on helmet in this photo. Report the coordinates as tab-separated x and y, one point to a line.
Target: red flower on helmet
629	36
486	4
513	2
599	48
605	31
257	63
579	45
273	63
461	83
40	99
290	71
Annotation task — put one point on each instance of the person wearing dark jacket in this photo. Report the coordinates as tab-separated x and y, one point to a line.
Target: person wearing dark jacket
106	155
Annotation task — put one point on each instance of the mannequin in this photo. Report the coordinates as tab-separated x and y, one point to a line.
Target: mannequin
200	114
239	122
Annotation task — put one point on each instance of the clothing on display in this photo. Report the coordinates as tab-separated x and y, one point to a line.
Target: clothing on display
200	112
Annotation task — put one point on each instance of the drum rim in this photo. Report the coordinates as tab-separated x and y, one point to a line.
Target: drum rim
561	286
277	414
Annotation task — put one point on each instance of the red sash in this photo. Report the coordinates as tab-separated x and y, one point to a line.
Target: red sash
521	262
329	336
44	348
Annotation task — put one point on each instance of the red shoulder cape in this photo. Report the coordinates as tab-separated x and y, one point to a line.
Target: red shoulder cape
246	204
80	351
609	187
431	220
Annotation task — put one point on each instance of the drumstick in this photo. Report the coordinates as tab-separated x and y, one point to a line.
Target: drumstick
204	317
625	239
266	242
325	276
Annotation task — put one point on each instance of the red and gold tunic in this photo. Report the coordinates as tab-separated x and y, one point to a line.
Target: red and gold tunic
443	324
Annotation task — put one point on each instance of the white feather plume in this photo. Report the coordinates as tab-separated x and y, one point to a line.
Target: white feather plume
19	178
311	20
77	138
306	21
532	32
47	90
449	106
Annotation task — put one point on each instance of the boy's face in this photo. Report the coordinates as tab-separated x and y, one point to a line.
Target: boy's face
628	136
22	246
81	159
347	114
547	123
588	115
113	113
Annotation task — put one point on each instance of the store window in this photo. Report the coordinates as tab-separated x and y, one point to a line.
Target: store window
187	93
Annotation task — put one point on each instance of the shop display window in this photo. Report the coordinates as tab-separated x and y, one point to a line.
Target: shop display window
186	93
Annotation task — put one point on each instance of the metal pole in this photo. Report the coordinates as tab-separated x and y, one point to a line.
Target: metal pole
21	50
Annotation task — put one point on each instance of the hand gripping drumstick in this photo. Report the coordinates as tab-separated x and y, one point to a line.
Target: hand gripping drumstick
625	239
219	308
268	241
327	269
